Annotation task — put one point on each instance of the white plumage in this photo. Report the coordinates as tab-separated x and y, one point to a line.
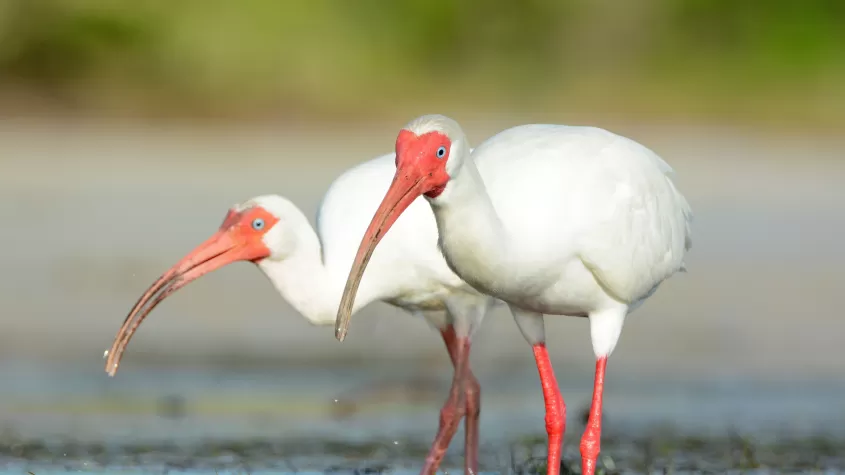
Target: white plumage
551	219
309	269
562	220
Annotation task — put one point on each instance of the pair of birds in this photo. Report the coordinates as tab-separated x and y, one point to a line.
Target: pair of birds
548	219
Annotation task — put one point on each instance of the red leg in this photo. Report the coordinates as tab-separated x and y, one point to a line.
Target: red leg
473	407
453	410
555	408
473	395
591	441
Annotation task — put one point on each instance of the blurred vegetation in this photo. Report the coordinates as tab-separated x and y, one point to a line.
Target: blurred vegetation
335	58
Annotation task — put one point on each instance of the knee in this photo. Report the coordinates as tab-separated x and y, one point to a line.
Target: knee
451	414
556	416
453	410
590	444
555	422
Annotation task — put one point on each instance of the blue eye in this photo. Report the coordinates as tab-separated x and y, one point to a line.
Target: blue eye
258	224
441	152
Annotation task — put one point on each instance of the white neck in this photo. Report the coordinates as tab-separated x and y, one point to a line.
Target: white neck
472	237
304	281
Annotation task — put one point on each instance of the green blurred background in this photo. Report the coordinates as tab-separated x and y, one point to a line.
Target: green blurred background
779	61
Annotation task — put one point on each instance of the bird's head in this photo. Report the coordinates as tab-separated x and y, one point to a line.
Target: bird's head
251	232
429	152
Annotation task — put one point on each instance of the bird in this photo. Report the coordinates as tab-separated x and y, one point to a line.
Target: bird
550	219
309	270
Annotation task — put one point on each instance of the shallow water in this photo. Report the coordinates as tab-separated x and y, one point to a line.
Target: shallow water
195	420
653	452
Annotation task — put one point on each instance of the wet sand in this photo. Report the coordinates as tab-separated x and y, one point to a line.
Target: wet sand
655	452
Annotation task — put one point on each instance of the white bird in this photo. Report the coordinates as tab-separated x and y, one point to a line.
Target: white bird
310	272
551	219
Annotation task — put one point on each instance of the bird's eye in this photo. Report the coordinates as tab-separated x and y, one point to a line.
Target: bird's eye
258	224
441	151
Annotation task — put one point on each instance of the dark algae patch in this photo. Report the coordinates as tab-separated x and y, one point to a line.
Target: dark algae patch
658	451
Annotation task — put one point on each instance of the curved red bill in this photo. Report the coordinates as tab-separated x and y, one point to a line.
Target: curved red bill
420	169
218	251
405	188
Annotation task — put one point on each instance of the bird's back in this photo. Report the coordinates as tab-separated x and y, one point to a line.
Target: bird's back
564	191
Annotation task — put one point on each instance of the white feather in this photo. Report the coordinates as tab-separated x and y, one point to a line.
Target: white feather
407	270
562	220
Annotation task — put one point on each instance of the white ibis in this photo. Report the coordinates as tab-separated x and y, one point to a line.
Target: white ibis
310	271
551	219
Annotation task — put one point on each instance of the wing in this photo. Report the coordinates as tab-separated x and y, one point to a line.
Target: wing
642	224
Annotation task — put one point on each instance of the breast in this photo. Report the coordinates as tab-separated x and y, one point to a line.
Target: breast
572	291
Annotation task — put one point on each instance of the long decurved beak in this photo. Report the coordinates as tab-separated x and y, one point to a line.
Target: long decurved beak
219	250
407	185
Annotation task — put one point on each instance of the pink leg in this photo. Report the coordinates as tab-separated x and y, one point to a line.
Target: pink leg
473	395
473	407
453	410
555	408
591	441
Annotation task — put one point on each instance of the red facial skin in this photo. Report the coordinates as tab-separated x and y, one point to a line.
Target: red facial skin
236	240
416	157
419	170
